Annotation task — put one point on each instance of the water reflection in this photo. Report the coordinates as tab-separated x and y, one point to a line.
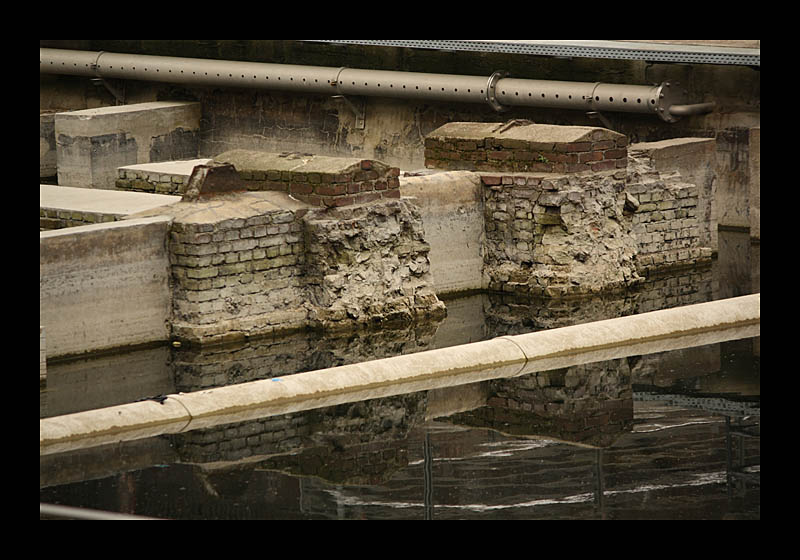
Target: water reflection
573	443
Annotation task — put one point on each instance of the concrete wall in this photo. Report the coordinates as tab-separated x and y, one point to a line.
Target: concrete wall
93	143
451	205
755	182
47	145
104	286
733	171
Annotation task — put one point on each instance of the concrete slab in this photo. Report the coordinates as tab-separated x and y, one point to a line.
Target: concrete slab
183	167
239	206
100	201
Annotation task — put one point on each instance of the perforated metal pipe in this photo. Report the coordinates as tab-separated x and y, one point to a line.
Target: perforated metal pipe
496	90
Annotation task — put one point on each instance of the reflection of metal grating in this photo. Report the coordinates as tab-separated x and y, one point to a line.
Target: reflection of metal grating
716	405
620	50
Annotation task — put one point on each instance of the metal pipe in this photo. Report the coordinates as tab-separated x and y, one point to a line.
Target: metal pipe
497	90
694	109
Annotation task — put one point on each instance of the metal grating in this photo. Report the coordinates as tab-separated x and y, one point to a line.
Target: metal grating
620	50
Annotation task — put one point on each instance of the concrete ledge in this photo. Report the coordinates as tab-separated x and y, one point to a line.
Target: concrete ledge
61	207
602	340
446	367
104	286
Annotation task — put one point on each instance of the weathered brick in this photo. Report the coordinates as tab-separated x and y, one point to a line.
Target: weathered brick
301	188
332	189
590	156
575	147
615	154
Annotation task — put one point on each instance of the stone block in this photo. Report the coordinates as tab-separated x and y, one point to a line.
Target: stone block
93	143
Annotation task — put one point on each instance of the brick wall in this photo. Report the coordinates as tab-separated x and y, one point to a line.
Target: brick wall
316	180
160	178
139	180
549	235
664	217
248	264
589	403
237	275
369	264
568	211
524	147
355	443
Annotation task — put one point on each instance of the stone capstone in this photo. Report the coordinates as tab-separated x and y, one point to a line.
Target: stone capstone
316	180
524	146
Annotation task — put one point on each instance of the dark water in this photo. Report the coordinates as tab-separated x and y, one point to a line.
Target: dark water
672	435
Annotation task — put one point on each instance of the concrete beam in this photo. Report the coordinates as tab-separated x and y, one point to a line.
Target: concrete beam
501	357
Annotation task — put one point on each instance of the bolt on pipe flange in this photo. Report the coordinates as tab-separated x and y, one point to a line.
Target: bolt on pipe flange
491	95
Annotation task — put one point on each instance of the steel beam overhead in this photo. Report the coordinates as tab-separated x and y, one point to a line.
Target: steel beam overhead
619	50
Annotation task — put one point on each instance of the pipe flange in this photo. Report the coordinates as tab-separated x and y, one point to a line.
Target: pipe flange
491	86
667	95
